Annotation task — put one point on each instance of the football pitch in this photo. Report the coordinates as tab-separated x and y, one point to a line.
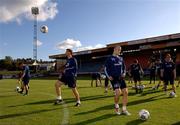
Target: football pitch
97	108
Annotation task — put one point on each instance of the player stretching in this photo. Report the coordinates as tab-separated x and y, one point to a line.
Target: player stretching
168	72
68	77
25	78
116	71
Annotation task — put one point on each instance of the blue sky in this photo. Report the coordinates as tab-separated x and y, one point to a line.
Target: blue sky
84	24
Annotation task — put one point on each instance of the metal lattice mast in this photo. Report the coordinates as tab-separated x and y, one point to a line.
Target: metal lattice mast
35	12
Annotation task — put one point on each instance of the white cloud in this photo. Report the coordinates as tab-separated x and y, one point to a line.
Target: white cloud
16	10
69	43
90	47
39	43
76	45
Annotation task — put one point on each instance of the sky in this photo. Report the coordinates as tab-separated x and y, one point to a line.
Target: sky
82	24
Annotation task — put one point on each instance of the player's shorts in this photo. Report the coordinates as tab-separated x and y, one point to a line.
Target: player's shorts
160	77
96	76
25	81
68	80
136	77
118	83
168	80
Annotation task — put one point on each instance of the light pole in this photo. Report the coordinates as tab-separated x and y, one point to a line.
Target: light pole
35	12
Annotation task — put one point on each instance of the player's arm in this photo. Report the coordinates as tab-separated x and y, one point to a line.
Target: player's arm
107	70
174	71
141	70
162	72
123	70
24	72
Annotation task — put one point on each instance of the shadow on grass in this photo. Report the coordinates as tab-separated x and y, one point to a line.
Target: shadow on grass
154	98
34	103
135	122
111	106
26	113
4	96
94	120
107	107
67	100
177	123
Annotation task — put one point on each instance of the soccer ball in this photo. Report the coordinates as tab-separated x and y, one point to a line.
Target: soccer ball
142	87
103	76
17	88
144	114
44	29
172	94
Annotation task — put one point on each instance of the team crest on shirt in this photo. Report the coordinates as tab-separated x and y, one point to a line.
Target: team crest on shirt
67	64
113	59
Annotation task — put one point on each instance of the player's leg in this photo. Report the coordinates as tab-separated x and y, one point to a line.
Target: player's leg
154	78
92	82
106	84
100	81
22	87
26	82
150	78
117	92
165	85
173	85
58	85
71	81
178	83
58	89
116	100
124	98
76	94
135	83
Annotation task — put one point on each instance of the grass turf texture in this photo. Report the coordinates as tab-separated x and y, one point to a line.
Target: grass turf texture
97	108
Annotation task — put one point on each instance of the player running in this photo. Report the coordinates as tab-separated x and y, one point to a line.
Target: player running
68	77
168	72
115	70
25	78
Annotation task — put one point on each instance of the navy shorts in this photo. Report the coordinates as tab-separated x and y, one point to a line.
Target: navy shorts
136	77
168	80
118	83
25	81
68	80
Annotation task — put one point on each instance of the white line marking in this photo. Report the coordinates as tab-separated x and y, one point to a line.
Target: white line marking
65	120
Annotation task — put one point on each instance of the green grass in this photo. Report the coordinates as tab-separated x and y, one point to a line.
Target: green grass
97	108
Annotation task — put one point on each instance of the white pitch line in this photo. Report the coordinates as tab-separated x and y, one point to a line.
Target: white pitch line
65	120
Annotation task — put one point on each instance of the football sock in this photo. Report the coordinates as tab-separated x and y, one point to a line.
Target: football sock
124	108
59	98
78	101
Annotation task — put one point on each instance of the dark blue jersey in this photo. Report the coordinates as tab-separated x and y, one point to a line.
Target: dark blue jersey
159	67
26	72
135	69
153	68
71	67
115	66
168	68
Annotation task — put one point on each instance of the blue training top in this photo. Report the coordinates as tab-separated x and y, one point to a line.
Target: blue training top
114	66
26	72
168	68
71	67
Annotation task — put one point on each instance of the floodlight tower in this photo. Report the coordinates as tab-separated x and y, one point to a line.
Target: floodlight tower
35	12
